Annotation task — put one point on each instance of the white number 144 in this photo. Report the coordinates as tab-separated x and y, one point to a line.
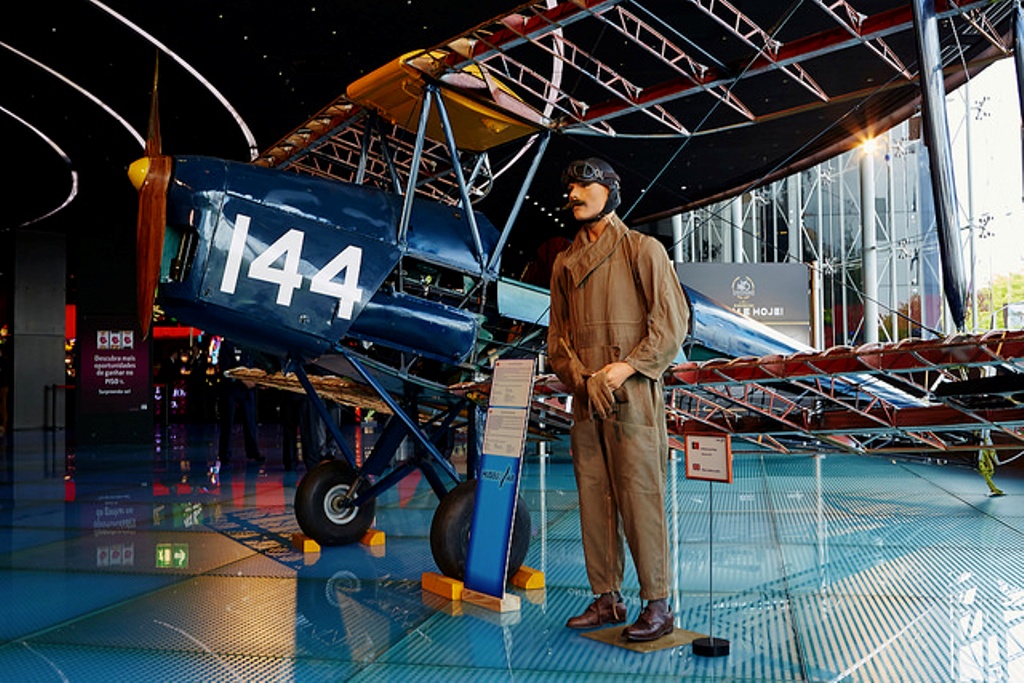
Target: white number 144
286	276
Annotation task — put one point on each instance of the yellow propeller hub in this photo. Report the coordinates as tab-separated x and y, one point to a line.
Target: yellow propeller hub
137	172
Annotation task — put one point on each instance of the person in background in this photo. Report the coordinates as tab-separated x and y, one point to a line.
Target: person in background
618	318
4	384
292	405
235	393
538	271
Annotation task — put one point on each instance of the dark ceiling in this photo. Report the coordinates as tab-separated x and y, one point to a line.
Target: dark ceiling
278	63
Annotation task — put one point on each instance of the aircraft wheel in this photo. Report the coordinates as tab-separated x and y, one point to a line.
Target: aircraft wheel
449	532
320	508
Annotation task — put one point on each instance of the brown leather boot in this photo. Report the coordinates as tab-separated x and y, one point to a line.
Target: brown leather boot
654	622
607	608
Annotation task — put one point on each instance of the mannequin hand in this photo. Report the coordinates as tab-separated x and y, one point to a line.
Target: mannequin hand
618	373
600	394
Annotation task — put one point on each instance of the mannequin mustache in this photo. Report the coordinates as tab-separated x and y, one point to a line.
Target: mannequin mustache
571	203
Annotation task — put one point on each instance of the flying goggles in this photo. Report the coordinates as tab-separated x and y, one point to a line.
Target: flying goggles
590	171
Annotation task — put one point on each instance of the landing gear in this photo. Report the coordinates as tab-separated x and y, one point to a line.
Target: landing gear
323	505
449	532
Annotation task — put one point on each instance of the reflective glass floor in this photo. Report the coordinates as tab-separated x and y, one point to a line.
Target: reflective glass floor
143	565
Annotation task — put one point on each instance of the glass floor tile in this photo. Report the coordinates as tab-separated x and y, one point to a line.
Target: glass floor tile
150	564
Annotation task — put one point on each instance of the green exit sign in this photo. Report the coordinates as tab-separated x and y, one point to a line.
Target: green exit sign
171	555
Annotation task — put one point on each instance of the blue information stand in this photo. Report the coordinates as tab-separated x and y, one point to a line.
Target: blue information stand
497	490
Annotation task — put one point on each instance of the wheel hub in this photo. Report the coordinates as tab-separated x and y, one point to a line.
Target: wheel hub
337	507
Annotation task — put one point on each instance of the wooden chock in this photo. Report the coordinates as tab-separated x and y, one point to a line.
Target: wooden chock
304	543
507	603
373	537
528	578
445	586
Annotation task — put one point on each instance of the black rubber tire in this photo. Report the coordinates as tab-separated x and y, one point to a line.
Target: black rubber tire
317	510
449	532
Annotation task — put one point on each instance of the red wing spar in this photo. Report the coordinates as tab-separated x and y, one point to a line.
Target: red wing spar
930	397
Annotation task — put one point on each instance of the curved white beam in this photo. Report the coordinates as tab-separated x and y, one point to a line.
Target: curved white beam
249	138
74	174
100	103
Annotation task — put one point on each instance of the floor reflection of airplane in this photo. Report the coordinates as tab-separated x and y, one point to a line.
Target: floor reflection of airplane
363	259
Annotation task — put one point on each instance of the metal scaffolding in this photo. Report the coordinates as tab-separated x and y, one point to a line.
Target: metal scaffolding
818	217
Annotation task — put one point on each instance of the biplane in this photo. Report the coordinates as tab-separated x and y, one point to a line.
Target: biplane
356	249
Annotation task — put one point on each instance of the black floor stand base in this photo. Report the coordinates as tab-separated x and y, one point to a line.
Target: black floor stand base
710	647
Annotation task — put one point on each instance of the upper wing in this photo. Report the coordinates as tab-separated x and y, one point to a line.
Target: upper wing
692	101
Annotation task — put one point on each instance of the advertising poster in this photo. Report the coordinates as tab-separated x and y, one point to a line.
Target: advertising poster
776	294
114	366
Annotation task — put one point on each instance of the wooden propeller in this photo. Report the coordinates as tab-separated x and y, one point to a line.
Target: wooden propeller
150	175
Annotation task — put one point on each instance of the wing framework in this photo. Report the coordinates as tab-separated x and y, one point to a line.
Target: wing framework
695	101
916	397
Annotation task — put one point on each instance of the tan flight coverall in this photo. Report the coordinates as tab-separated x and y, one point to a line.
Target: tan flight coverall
603	309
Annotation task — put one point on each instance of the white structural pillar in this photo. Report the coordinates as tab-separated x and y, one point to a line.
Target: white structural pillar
737	230
869	243
890	226
970	206
755	249
818	311
794	202
677	238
